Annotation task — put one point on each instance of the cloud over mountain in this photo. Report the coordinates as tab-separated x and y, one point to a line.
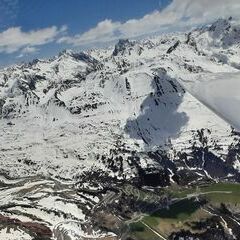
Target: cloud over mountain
178	15
15	39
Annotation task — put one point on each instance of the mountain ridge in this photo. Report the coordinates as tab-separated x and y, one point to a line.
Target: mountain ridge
131	95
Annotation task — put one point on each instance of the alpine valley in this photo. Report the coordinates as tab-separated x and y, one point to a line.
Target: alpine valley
112	143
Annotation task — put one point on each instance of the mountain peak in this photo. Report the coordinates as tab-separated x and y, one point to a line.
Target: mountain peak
78	56
220	25
122	46
66	52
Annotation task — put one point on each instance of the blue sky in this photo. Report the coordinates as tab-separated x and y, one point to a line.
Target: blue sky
78	15
40	28
81	15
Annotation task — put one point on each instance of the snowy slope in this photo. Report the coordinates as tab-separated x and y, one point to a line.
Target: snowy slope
80	112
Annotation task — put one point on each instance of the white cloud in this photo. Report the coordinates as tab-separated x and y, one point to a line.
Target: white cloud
14	39
104	31
26	51
29	50
176	16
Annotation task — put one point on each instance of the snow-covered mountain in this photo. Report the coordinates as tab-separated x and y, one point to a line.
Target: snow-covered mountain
79	111
132	112
100	109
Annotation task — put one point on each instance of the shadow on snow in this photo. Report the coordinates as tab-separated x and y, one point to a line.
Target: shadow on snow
159	118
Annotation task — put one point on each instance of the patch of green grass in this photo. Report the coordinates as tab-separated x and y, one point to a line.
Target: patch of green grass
223	198
151	220
180	210
183	210
223	192
181	192
140	232
217	187
177	212
137	227
232	187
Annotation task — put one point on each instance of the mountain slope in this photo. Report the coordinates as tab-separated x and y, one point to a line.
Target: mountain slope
82	111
